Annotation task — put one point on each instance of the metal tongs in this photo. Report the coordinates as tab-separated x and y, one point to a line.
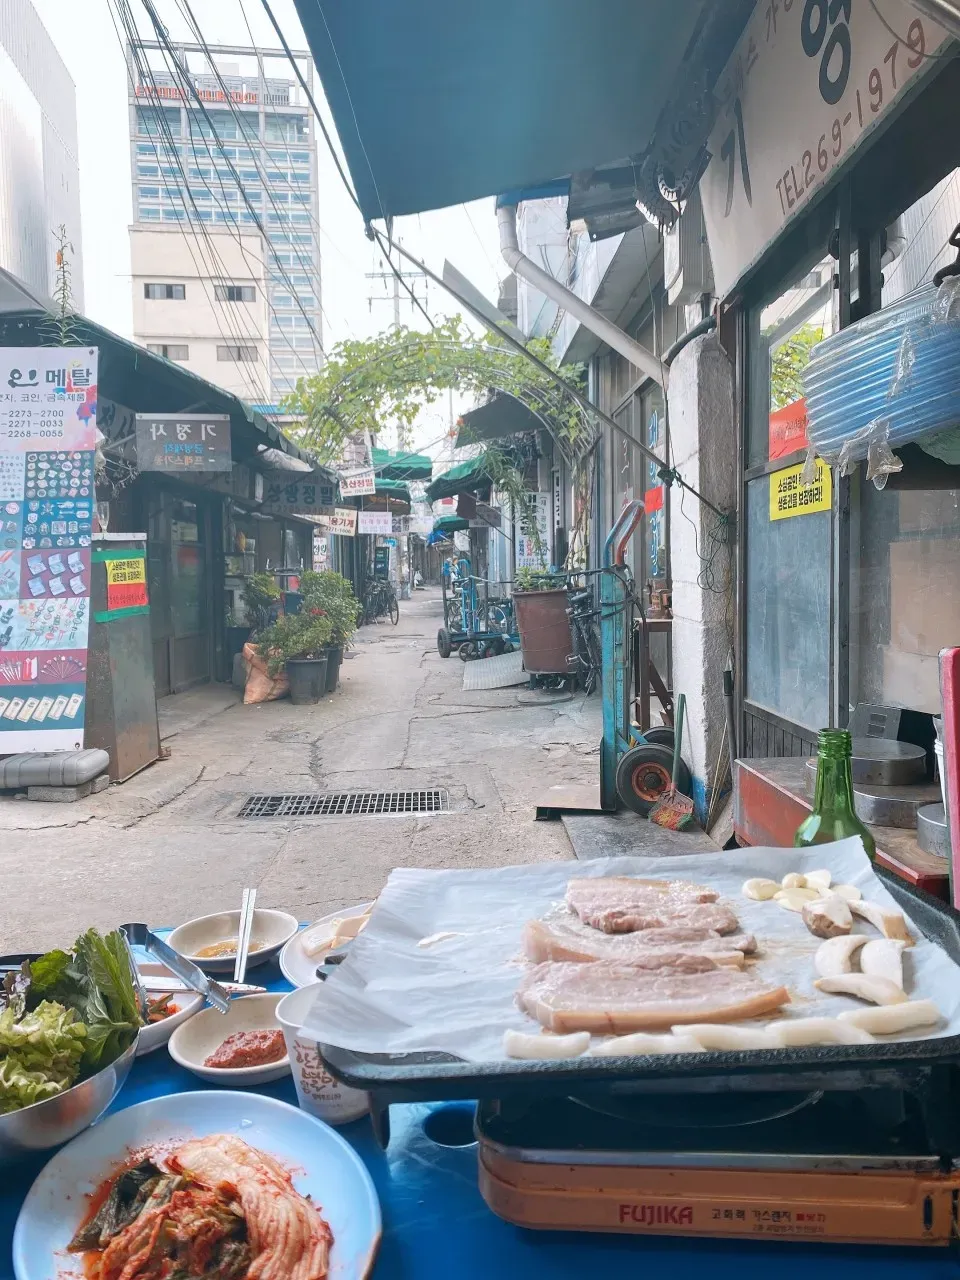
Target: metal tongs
140	935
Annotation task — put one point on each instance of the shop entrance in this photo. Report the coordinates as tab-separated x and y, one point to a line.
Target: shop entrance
179	568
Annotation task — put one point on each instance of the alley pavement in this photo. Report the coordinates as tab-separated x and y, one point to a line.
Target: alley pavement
168	844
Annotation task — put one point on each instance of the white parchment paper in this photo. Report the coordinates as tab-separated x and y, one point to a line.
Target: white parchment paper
456	994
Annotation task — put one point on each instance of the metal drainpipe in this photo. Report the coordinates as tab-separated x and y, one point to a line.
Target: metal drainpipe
591	319
946	12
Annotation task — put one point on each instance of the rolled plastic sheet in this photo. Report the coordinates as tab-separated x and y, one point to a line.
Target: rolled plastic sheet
889	379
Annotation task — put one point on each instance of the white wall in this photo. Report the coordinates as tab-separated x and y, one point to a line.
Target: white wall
167	256
703	440
39	170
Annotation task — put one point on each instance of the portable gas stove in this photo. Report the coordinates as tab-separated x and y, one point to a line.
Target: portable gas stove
834	1167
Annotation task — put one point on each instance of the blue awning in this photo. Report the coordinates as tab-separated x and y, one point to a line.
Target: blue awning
441	101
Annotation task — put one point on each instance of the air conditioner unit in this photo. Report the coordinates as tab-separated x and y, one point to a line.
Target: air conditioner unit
687	270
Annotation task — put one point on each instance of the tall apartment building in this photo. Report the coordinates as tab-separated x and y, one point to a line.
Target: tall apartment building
225	258
39	170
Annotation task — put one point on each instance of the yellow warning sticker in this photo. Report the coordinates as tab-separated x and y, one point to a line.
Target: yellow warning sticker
789	496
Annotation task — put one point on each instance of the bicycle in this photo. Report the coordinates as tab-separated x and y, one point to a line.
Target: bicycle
380	599
587	658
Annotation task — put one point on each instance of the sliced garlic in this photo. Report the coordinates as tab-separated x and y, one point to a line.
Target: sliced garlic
819	880
849	892
795	899
759	890
794	880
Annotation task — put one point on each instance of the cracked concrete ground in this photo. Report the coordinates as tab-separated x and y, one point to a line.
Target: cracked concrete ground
168	844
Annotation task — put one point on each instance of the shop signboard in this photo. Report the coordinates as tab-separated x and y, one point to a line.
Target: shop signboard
807	84
422	525
358	484
527	557
343	522
321	552
48	429
374	522
790	496
788	429
178	442
126	574
298	496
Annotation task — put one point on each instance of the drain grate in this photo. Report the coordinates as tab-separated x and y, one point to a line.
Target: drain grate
345	804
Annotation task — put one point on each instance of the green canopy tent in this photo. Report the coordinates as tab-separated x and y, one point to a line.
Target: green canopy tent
391	464
466	477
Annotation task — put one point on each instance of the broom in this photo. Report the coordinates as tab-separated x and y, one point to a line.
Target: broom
674	810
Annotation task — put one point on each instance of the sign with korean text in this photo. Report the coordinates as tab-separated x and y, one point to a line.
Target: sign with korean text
343	522
183	442
789	496
374	522
298	496
48	430
358	484
421	525
321	552
788	429
126	583
527	553
807	84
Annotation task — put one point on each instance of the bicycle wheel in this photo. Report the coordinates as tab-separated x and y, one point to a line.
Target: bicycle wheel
394	606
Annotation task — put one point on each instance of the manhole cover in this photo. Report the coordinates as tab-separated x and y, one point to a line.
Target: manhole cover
345	804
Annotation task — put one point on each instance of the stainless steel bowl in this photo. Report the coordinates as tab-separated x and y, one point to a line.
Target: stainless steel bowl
56	1120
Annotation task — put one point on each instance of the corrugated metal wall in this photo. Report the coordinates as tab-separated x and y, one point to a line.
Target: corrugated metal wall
39	170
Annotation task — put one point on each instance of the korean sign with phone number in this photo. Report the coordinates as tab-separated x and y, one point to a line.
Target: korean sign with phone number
806	85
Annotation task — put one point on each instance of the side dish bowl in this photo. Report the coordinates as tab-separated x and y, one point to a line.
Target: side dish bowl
271	931
193	1042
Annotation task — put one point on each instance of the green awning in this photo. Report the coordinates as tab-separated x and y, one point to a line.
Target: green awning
438	102
466	477
392	489
450	524
393	465
504	415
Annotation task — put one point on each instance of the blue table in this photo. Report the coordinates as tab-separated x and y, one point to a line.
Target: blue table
437	1227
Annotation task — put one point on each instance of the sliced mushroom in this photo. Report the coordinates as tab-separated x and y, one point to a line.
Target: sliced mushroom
827	917
641	1044
849	892
517	1044
883	958
795	899
890	923
890	1019
835	956
819	880
795	1032
863	985
760	890
718	1036
794	880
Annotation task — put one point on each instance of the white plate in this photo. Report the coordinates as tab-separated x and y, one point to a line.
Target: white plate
191	1044
157	1034
323	1165
301	969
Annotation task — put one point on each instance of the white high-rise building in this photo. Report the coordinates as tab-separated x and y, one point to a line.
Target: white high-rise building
226	264
39	169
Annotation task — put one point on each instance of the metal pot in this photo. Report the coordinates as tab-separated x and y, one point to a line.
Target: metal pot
56	1120
546	640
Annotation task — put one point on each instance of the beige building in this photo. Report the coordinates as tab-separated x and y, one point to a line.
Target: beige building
201	302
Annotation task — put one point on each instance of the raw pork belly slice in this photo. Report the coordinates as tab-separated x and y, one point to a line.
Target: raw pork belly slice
566	938
620	904
620	998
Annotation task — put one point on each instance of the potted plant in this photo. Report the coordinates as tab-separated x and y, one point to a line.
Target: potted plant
540	605
299	642
261	596
332	594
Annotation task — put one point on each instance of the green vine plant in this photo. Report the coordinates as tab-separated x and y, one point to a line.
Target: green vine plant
510	483
394	376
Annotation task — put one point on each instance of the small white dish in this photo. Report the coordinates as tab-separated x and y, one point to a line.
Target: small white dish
323	1165
271	931
193	1042
155	1035
299	968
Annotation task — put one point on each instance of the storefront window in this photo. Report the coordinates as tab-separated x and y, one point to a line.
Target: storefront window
187	604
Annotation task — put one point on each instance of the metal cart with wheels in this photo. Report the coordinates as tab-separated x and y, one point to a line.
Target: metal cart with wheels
634	768
474	624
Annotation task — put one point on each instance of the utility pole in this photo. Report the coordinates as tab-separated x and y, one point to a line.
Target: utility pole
396	297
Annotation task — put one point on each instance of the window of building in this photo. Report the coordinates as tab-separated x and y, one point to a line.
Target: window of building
235	292
241	354
156	122
286	129
170	350
149	214
148	171
149	193
173	292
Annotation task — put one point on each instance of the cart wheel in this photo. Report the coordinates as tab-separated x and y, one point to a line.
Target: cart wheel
394	610
493	648
466	652
643	775
662	736
444	647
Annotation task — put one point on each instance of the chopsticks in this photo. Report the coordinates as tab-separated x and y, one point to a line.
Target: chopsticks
246	927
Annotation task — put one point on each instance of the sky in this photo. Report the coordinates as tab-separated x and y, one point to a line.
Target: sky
466	234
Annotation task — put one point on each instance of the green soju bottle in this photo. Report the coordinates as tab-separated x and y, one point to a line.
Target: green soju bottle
833	817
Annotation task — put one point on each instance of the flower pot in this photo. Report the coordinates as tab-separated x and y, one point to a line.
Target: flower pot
546	640
308	679
334	658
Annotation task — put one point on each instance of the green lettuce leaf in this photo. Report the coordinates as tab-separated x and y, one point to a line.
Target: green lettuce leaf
40	1054
109	1008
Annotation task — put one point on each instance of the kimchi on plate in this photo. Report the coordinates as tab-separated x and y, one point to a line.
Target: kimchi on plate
212	1207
